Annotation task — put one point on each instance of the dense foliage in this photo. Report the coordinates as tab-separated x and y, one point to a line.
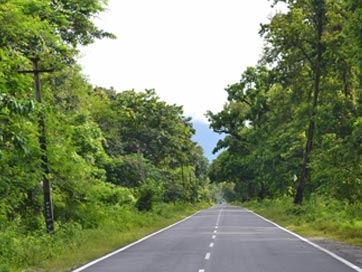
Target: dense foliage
293	122
100	149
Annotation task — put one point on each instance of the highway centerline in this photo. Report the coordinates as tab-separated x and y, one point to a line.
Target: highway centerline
218	218
245	243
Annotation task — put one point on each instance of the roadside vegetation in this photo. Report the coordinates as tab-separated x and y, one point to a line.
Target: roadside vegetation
318	217
72	245
122	163
293	130
293	123
119	163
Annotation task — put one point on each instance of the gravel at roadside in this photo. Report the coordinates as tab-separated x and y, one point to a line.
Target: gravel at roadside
351	253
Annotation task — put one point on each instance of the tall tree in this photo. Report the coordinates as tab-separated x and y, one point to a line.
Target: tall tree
297	45
148	126
309	98
29	30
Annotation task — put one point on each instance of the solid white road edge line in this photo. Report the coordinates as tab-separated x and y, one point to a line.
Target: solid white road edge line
81	268
335	256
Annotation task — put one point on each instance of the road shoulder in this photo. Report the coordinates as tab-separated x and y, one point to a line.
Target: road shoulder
351	253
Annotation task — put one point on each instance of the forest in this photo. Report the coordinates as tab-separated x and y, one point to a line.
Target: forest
76	159
293	126
293	122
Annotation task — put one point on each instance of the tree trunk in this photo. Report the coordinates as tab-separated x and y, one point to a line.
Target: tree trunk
140	163
298	199
319	6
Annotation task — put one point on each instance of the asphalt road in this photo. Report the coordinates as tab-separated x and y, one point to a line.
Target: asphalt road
222	239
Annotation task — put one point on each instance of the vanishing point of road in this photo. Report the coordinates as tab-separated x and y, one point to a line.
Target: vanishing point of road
222	239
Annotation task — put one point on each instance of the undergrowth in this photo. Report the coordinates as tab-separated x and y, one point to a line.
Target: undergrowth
73	245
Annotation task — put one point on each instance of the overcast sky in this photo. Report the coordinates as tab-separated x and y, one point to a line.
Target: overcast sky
187	50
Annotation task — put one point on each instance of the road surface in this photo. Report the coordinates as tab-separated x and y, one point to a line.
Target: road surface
222	239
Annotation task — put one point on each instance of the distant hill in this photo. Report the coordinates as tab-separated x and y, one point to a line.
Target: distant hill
206	138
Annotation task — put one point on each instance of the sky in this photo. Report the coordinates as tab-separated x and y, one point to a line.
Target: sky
189	51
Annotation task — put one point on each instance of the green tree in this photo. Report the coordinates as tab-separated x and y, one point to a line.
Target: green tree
145	126
50	31
150	140
261	142
308	96
297	44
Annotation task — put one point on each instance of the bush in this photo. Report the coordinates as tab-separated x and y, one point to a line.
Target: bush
144	202
148	193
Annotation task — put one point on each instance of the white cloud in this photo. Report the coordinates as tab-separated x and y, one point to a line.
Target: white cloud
188	50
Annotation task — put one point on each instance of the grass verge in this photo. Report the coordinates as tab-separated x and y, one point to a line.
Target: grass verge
318	217
72	246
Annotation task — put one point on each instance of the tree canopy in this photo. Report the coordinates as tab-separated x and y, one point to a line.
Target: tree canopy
103	147
292	120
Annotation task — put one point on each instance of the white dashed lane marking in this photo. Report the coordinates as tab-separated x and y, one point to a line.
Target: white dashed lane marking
211	245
